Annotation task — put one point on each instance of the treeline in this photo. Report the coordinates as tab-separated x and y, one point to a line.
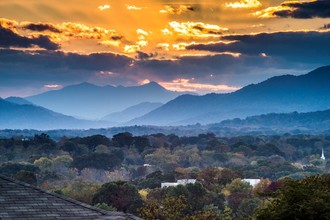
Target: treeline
91	168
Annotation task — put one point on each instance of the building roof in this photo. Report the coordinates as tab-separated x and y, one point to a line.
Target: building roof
23	201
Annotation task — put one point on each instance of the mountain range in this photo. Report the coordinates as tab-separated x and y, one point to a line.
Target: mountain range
132	112
281	94
315	121
26	116
18	100
89	101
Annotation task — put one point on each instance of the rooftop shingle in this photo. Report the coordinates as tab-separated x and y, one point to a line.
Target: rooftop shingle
23	201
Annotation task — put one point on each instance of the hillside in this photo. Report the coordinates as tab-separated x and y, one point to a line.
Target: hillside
282	94
15	116
18	100
314	121
93	102
132	112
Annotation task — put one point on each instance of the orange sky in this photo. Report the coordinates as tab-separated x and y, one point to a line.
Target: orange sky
159	29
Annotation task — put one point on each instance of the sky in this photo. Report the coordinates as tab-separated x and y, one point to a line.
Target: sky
198	46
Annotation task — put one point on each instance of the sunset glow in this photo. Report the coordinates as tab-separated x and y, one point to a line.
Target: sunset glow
161	41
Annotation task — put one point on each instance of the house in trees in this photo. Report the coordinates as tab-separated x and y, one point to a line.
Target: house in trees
179	182
23	201
252	182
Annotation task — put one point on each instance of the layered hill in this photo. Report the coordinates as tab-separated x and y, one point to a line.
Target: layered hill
132	112
18	100
315	121
90	101
281	94
16	116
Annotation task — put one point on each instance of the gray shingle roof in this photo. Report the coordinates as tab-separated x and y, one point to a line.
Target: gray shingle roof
23	201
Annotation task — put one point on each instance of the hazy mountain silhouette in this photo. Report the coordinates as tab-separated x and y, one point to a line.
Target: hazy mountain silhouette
15	116
90	101
18	100
282	94
319	120
132	112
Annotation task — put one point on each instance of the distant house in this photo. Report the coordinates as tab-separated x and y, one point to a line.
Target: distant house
22	201
179	182
252	182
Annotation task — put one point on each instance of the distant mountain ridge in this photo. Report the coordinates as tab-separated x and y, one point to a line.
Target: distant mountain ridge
281	94
18	100
16	116
319	120
86	100
132	112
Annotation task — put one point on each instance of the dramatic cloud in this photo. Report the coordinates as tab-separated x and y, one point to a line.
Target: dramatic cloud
187	85
326	26
295	46
41	27
53	86
37	69
194	29
65	35
10	39
177	10
133	7
244	4
199	45
302	10
143	56
104	7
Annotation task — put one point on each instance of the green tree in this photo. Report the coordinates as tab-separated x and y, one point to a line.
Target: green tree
121	195
10	169
308	198
27	177
169	208
123	139
97	161
80	190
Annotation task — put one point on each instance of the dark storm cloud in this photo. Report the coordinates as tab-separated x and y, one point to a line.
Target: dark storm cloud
41	27
61	60
26	68
263	56
143	56
116	37
310	47
202	29
326	26
10	39
320	8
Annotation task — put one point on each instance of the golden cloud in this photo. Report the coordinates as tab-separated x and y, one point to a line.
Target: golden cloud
186	85
133	7
270	11
244	4
163	46
9	24
53	86
179	10
131	48
194	29
104	7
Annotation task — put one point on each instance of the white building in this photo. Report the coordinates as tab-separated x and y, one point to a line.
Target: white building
179	182
252	182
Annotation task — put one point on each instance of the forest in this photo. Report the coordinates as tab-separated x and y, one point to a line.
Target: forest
125	173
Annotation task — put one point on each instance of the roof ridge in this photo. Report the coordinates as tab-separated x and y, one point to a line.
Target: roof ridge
103	212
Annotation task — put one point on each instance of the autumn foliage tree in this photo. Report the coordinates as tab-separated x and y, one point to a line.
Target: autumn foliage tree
121	195
308	198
